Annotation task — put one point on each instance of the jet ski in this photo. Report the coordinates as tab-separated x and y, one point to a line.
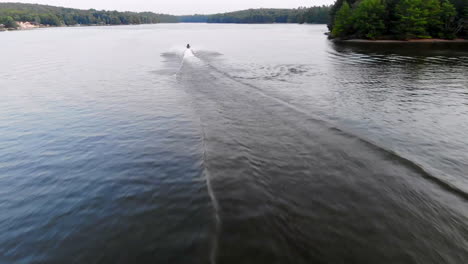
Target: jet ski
188	46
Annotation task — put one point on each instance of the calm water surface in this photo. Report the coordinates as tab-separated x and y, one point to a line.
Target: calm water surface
263	144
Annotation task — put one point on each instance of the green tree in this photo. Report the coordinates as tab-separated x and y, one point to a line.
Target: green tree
334	10
447	17
433	17
50	19
36	20
342	26
9	22
412	19
369	19
69	20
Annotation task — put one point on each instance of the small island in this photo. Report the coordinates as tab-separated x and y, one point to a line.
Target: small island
387	21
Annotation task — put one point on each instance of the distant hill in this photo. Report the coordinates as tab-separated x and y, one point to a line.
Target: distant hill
317	15
10	13
57	16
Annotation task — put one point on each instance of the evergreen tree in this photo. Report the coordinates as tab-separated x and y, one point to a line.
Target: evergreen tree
334	10
412	19
447	16
433	13
369	19
342	26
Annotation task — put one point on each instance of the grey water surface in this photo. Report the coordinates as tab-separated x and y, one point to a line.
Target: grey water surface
261	144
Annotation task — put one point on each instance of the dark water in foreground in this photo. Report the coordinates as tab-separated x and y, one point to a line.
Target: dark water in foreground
267	144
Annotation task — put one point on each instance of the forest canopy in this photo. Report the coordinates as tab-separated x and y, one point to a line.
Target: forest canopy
10	13
399	19
58	16
311	15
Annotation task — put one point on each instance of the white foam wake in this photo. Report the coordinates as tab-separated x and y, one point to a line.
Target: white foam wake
188	53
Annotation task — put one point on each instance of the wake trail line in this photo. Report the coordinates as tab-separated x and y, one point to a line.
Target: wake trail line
188	54
403	160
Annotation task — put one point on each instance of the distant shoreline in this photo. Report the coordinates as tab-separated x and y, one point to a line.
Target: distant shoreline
32	27
36	15
72	26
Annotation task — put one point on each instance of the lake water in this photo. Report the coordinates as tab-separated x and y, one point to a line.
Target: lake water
262	144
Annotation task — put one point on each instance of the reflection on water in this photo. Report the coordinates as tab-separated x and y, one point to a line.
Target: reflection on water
311	152
418	100
453	50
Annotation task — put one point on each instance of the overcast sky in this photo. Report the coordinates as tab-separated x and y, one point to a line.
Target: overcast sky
177	7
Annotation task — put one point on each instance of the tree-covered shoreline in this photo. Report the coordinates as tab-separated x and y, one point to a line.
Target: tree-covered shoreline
309	15
44	15
61	16
399	19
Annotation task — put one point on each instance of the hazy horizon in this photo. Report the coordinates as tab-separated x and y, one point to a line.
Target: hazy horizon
177	7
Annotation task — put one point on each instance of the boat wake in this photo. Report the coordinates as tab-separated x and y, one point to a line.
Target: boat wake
189	55
267	160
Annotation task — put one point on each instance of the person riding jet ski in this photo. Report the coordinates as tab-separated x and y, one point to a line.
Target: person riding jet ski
188	46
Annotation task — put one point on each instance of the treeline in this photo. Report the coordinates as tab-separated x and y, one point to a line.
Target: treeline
57	16
313	15
10	13
399	19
